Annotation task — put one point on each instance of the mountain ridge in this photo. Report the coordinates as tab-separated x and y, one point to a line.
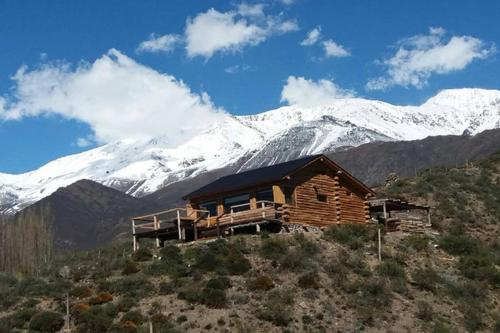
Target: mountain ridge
142	167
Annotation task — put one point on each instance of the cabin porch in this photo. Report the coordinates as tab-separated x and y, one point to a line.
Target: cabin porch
190	224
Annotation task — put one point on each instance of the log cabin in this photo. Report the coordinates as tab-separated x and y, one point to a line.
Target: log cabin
312	191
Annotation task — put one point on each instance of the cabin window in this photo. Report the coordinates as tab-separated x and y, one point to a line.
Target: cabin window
264	195
211	206
320	196
242	202
289	198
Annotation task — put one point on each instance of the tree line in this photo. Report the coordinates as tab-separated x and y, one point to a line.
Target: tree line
26	242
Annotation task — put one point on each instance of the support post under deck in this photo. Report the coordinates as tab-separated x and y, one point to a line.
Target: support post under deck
156	226
179	224
134	237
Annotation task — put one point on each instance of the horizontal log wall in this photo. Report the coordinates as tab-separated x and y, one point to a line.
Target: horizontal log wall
353	206
344	202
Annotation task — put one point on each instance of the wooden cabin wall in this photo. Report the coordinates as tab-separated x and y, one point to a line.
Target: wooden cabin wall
353	205
343	205
307	209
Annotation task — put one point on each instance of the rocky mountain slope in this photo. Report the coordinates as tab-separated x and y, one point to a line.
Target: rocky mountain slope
445	280
142	167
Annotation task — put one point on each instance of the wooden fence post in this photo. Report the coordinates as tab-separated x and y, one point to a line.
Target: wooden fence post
379	244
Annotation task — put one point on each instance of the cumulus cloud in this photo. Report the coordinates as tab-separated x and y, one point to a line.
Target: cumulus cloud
334	50
118	97
248	25
155	44
419	57
312	37
309	93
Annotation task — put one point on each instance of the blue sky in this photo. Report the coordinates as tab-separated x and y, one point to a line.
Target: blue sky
407	50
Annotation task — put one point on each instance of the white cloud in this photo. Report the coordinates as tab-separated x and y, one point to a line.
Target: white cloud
84	142
419	57
313	37
245	9
213	31
118	97
237	69
155	44
288	2
310	93
333	50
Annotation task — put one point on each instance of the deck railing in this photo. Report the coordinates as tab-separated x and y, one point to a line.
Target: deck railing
264	209
169	218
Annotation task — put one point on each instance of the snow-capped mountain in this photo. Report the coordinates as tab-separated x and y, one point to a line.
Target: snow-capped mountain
141	167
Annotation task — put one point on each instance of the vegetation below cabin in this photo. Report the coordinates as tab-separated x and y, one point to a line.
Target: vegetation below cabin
444	281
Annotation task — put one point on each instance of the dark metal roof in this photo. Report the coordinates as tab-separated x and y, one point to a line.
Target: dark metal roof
251	178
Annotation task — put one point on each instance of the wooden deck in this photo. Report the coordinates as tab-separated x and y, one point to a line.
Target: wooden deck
184	223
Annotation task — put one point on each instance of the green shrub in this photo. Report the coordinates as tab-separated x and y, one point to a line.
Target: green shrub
309	280
166	288
159	268
143	254
130	268
425	311
274	248
219	282
353	235
162	323
370	297
171	254
133	316
222	257
136	287
277	307
391	269
181	319
19	318
81	292
125	304
94	320
426	278
480	266
214	298
473	317
419	243
459	244
307	246
261	282
47	321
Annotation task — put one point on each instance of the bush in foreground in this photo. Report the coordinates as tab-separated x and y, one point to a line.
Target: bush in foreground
47	321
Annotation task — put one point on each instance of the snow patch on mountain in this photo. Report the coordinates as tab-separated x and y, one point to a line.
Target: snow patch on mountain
141	167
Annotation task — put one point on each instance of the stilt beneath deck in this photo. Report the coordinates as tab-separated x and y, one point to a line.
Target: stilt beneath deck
179	225
257	228
156	226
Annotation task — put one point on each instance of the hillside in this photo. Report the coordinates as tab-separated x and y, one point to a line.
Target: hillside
140	167
445	281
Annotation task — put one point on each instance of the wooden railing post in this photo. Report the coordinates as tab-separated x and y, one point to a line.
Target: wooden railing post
179	224
156	226
134	237
232	218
